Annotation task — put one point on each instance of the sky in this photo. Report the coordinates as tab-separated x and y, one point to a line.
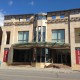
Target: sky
11	7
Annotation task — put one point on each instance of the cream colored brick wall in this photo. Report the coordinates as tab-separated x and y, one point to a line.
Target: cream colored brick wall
13	38
74	25
54	26
49	27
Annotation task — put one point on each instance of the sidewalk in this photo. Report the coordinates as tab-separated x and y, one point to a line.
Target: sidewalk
62	70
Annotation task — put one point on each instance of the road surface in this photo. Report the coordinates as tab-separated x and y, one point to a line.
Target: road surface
19	74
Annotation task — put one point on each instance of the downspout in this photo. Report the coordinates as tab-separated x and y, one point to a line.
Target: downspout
69	27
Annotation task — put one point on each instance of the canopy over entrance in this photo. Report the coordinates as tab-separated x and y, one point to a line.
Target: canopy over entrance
39	52
42	44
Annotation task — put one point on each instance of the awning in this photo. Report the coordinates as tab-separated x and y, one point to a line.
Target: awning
42	44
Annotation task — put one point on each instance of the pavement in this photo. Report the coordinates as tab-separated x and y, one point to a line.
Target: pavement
32	73
62	70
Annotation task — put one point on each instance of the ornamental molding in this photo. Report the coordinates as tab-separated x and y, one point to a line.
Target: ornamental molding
18	23
72	19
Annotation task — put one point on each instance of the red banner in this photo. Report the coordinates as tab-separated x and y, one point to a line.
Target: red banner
6	51
78	56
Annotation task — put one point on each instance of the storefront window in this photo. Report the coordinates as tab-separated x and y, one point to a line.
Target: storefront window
42	55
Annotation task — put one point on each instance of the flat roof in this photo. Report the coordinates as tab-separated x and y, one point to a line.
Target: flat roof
18	15
64	10
43	13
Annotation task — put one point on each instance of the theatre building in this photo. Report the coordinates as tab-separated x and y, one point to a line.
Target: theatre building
41	40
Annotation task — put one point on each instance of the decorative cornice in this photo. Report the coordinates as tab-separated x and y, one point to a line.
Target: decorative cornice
8	23
73	19
18	23
21	23
57	21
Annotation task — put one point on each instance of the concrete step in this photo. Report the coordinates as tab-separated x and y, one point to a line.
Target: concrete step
57	66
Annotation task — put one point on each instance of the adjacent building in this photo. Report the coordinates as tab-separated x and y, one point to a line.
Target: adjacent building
41	39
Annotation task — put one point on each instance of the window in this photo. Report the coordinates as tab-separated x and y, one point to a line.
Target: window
43	33
7	18
41	17
8	37
23	36
54	17
35	34
77	35
27	19
20	19
61	16
40	55
58	36
39	36
39	33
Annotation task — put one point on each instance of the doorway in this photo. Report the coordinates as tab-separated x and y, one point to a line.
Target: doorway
62	56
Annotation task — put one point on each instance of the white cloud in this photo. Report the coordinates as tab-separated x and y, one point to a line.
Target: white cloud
2	17
1	10
31	3
10	2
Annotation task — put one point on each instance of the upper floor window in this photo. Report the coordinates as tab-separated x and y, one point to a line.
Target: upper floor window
58	36
62	16
39	33
41	17
23	36
27	19
44	33
54	17
20	19
7	18
77	35
8	37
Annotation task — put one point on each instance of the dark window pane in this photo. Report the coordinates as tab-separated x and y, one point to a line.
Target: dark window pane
58	35
77	35
23	36
8	37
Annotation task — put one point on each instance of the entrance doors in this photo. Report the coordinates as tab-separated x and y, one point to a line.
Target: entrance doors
62	56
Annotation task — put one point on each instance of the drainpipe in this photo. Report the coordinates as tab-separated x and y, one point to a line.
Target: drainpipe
69	27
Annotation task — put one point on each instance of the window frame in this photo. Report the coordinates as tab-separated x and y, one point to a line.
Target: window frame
23	38
58	40
77	34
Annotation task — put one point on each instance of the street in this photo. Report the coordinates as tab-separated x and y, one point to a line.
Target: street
19	74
